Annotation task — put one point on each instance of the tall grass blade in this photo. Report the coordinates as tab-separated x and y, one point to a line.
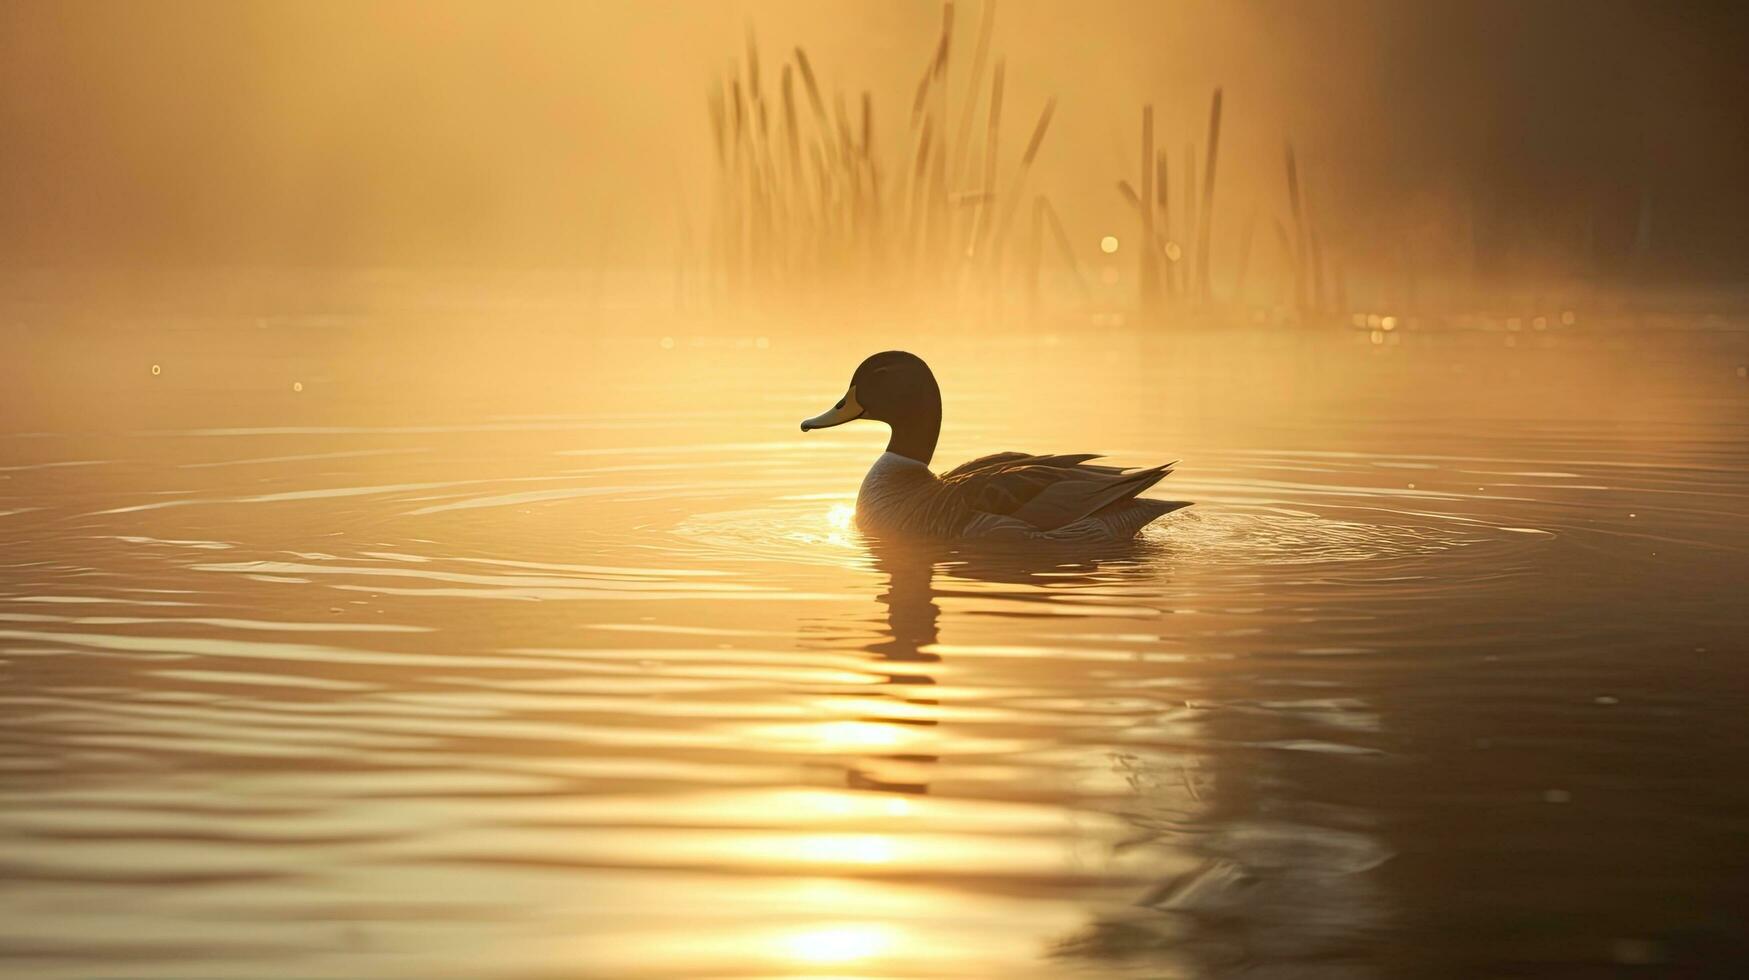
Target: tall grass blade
1205	230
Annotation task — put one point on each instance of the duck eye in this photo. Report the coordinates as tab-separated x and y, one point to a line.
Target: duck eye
840	404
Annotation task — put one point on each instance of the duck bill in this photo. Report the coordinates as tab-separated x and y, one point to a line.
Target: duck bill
846	410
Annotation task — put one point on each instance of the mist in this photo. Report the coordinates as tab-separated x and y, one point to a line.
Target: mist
824	488
552	134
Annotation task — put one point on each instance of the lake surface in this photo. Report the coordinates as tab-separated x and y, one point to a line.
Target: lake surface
340	649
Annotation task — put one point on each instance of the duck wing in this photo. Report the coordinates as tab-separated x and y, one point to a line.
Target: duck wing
1047	492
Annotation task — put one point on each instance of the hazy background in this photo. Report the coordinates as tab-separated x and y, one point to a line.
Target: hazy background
411	565
340	134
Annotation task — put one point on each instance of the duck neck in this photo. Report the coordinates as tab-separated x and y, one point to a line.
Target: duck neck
916	431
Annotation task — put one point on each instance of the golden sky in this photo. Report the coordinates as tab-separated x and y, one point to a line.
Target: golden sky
352	133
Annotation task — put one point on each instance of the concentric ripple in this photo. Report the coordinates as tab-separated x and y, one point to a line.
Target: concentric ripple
620	691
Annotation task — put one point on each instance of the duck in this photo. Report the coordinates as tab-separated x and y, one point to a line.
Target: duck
1006	496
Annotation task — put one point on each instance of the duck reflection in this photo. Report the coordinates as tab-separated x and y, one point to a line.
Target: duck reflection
1243	852
904	648
905	663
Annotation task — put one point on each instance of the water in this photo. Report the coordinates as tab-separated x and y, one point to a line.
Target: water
331	650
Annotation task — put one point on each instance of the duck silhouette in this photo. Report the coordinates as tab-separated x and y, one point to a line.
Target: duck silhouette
1010	496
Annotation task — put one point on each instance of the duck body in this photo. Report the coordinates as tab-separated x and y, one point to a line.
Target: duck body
1008	496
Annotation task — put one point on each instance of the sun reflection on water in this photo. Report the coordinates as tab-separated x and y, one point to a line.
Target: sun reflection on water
838	942
843	849
836	527
841	516
851	734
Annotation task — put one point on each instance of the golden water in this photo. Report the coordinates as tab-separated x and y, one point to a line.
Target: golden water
332	652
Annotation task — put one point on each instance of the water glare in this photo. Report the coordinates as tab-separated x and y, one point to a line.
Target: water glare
526	679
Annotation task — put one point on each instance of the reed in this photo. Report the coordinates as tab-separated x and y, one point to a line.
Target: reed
810	84
1148	269
1204	231
1163	237
1298	252
811	206
1244	261
1018	189
992	142
1129	195
1290	254
1187	255
808	205
980	54
1064	246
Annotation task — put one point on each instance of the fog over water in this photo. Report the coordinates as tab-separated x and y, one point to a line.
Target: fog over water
410	564
336	134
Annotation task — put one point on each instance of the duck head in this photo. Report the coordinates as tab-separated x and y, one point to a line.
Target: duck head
897	388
